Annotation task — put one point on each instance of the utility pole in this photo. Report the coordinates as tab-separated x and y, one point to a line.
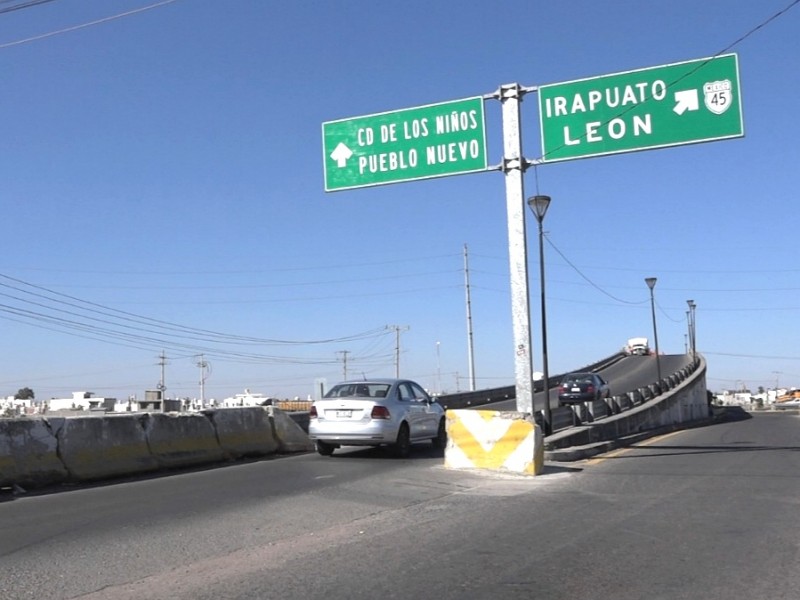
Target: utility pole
397	330
162	384
344	354
470	354
203	364
777	375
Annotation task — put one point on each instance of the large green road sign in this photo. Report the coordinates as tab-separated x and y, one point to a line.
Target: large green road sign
415	143
669	105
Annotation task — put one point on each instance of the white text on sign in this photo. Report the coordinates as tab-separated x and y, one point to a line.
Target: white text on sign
416	129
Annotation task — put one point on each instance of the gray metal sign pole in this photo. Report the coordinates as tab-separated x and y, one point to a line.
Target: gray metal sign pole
514	165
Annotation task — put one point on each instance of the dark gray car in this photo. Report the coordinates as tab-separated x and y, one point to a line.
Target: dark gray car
582	387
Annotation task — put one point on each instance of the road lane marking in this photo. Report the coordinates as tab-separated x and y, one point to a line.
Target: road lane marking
621	451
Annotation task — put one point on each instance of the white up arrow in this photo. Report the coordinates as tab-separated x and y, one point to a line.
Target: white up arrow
340	154
686	100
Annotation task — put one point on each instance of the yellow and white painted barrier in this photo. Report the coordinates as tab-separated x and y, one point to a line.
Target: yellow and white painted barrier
494	440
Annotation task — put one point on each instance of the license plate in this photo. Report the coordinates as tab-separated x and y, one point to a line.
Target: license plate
344	414
576	389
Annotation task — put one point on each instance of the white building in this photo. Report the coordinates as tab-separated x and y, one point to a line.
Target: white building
248	398
81	401
10	406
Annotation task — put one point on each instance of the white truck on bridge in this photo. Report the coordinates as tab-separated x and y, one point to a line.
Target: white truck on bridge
637	345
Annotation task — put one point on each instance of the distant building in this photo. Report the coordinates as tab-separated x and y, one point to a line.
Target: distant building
81	401
12	407
738	398
248	398
771	399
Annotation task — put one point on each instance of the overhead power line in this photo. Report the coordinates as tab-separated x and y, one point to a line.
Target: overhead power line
22	5
40	307
89	24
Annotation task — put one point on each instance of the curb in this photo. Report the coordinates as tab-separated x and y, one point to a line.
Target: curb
576	453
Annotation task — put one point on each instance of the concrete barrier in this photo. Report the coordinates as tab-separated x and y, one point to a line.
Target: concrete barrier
244	431
493	440
36	452
98	447
29	454
290	436
182	440
562	418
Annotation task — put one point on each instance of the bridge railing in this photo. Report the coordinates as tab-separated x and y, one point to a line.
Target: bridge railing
564	417
568	416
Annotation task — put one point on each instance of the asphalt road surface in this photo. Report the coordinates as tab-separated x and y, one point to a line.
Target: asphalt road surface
710	513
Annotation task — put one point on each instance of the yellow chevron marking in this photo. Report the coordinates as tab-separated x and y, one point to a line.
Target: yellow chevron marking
493	458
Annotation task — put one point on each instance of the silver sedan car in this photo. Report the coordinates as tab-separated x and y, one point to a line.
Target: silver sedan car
376	412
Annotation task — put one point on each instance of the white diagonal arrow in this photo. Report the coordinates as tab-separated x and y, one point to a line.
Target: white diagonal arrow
686	100
340	154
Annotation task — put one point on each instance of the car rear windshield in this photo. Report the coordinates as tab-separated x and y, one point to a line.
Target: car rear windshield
578	379
358	390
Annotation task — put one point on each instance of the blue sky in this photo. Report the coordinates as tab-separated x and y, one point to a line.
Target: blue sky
163	191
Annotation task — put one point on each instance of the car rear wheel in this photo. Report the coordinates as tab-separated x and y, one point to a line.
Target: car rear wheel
324	448
440	441
402	447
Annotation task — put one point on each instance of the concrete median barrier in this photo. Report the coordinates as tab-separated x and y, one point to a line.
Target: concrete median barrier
182	440
47	451
244	431
98	447
290	436
29	454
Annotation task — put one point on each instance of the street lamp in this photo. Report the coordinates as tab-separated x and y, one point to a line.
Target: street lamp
539	205
692	343
651	283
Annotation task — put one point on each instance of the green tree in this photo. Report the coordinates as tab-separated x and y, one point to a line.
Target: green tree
25	393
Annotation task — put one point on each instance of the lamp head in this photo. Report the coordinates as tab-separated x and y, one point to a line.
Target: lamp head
650	281
539	205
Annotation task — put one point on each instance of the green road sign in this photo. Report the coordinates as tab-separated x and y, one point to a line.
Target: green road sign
669	105
415	143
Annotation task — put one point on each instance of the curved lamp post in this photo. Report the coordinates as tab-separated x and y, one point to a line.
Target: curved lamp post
651	283
539	206
692	343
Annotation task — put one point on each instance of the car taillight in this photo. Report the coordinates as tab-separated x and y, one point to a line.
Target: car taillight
379	412
313	412
590	388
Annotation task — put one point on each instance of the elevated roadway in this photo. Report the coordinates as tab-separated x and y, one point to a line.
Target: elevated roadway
640	404
624	374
